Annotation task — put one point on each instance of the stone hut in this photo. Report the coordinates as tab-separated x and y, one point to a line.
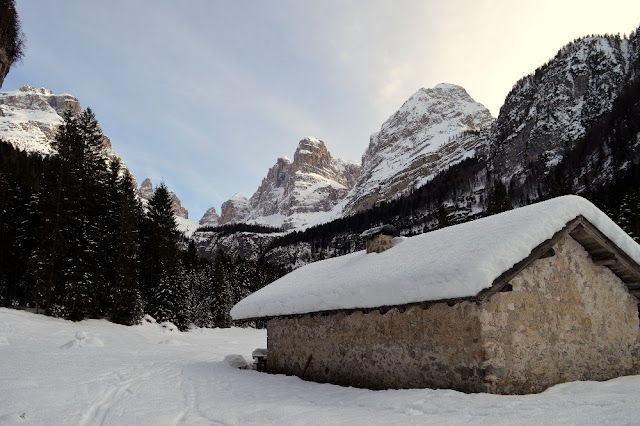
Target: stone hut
379	239
509	304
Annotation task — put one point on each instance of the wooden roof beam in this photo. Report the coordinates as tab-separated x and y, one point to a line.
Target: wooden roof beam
604	259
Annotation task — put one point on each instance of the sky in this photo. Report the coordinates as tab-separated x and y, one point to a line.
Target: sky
207	94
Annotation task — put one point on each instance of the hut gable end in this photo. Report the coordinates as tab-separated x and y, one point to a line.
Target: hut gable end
566	319
601	249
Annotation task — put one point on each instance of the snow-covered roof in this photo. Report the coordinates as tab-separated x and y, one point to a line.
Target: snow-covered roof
454	262
384	230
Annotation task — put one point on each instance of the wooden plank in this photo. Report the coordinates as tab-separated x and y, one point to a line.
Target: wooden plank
622	259
606	258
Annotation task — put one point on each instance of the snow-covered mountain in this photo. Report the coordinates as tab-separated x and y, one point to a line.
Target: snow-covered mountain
235	209
29	118
210	218
422	146
433	129
296	193
548	110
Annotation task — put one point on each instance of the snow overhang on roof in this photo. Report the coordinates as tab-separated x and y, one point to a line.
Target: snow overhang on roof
380	230
472	259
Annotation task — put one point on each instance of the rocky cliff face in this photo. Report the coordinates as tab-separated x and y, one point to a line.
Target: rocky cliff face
145	192
433	129
210	218
29	118
234	210
547	111
295	191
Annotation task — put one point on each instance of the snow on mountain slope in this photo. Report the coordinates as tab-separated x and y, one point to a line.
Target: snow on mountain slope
298	192
97	373
550	109
186	226
235	209
29	118
433	129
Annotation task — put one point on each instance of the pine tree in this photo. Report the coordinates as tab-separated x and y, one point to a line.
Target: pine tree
443	217
201	292
164	292
498	200
125	303
628	217
560	184
98	204
66	263
221	308
57	202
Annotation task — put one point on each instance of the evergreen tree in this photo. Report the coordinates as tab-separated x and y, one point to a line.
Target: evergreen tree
443	217
222	303
498	200
125	303
98	204
50	263
628	217
66	264
560	184
164	292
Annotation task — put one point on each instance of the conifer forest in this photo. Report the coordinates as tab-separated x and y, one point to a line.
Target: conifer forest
76	242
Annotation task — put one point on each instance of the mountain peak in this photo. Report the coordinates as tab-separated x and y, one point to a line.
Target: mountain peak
29	118
146	191
235	209
311	155
448	86
42	91
310	145
210	218
310	141
292	191
426	135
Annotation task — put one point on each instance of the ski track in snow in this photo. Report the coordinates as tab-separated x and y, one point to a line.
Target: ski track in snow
137	379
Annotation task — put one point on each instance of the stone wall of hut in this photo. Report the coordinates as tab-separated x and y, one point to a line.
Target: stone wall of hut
379	243
437	347
564	319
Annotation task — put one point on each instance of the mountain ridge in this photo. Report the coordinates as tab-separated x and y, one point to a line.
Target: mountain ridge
295	193
522	150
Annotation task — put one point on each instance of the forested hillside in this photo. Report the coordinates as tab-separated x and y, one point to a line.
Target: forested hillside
75	241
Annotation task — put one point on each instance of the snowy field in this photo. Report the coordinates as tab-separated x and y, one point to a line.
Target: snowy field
57	372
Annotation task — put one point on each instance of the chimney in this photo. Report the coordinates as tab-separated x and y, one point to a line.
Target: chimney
380	238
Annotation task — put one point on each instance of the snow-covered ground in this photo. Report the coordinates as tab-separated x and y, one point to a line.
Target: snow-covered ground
57	372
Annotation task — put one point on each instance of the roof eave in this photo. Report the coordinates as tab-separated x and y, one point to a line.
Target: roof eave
602	250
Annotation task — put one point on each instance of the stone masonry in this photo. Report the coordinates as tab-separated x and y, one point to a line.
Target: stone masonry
562	319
